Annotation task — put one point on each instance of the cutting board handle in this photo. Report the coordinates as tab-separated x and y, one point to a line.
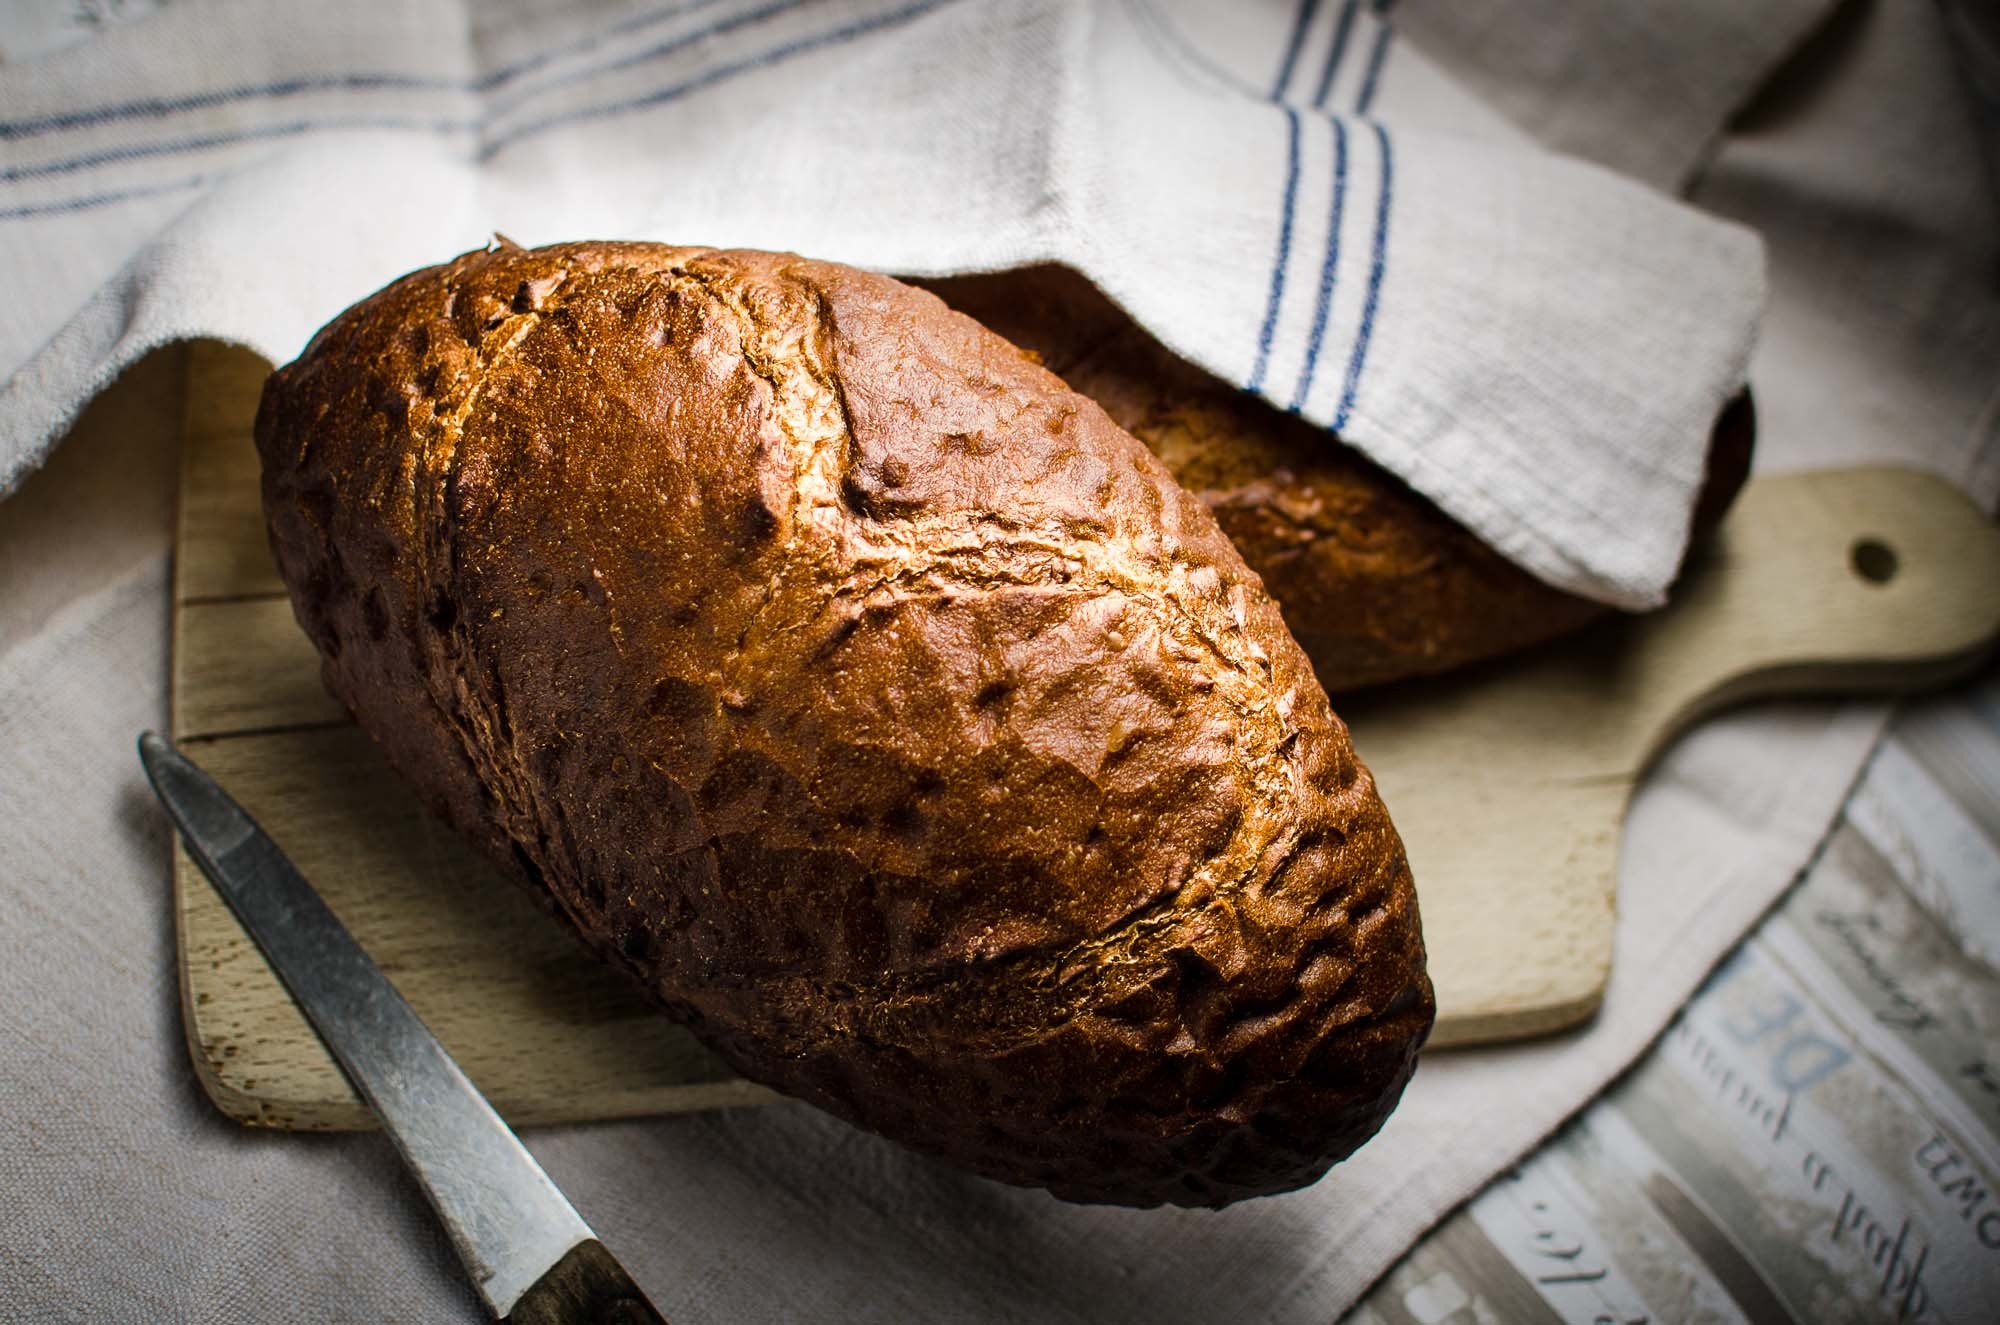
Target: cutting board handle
1846	580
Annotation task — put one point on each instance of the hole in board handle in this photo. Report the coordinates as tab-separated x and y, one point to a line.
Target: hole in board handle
1873	560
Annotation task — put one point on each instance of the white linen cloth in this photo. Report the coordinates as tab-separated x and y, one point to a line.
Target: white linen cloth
131	1199
1280	191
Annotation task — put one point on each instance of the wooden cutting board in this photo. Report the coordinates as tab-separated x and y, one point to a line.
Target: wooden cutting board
1508	784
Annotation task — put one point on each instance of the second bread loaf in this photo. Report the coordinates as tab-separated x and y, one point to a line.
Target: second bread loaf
1375	582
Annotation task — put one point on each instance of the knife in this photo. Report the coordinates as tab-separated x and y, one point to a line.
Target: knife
531	1256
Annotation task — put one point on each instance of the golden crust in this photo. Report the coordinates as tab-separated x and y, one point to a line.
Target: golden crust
1376	583
869	696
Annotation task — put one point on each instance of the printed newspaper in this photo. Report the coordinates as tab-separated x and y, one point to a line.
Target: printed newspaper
1817	1137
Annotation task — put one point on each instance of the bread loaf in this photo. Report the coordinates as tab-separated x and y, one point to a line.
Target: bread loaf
1375	582
868	696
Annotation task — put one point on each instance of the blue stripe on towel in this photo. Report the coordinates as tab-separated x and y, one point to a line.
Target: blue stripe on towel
1277	297
1377	265
721	73
670	93
507	73
438	124
287	129
1183	57
1336	53
1328	266
158	107
98	199
1376	56
1300	23
659	50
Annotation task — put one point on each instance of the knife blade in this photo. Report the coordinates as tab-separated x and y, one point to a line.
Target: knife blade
530	1255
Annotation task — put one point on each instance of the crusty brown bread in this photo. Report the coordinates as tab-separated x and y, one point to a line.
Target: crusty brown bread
1375	582
867	695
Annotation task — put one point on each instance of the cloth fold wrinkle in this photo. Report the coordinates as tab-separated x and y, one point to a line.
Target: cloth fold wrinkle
860	1229
650	124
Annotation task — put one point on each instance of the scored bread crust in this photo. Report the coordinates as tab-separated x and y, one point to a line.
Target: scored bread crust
867	695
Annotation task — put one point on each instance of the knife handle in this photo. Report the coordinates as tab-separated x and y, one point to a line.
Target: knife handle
586	1287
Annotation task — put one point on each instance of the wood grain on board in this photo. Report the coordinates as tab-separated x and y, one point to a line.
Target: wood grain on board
1507	782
